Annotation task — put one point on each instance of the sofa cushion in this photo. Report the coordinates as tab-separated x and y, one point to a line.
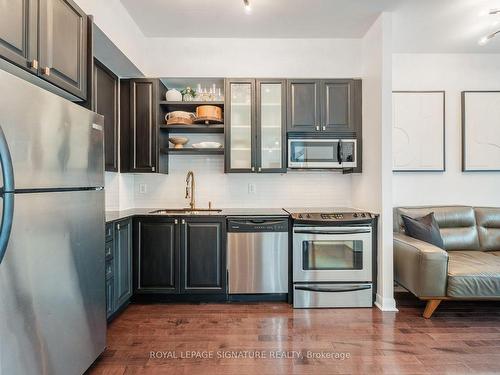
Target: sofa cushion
424	229
457	224
488	226
473	274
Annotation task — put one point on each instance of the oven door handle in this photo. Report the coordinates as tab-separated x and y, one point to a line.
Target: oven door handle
340	289
356	231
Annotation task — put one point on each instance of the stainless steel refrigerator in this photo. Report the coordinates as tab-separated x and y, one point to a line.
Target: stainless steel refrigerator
52	288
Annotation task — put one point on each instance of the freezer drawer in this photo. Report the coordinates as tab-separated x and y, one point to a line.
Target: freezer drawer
332	295
52	284
257	262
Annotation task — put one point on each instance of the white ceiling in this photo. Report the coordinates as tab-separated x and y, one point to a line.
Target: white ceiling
443	26
268	18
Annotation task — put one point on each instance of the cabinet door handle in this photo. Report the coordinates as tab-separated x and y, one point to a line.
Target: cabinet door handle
46	71
253	169
118	226
317	127
152	169
34	64
183	221
176	221
324	127
260	169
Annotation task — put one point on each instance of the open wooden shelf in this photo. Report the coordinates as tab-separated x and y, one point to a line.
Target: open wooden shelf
193	151
195	128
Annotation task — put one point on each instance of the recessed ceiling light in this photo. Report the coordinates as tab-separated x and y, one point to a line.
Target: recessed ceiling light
248	8
486	39
483	41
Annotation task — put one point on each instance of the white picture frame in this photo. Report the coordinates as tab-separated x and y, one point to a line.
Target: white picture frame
418	131
481	131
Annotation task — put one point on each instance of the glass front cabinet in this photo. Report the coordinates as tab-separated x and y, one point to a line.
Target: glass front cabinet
255	126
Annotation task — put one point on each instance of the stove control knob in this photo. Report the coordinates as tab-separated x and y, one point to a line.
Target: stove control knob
355	215
300	216
308	216
363	215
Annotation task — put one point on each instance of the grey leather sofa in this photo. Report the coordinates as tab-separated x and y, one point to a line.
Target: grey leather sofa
468	268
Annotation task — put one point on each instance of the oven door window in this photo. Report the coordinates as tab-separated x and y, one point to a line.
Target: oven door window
332	255
302	152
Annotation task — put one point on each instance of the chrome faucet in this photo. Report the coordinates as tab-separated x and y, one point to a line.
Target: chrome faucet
190	193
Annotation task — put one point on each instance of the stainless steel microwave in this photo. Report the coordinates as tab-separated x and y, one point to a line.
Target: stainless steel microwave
316	153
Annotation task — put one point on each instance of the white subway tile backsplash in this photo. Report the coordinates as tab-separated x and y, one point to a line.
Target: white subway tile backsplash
319	189
119	191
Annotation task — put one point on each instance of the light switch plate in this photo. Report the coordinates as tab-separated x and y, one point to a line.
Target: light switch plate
143	188
251	188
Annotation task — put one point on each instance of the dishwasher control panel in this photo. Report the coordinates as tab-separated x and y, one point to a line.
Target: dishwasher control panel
257	224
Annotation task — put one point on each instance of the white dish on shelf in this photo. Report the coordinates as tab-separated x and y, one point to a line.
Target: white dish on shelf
207	145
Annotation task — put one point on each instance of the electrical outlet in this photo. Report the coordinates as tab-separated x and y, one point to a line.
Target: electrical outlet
143	188
251	188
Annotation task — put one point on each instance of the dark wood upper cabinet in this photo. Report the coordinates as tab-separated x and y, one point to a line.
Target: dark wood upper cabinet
106	104
255	126
239	118
142	142
19	32
203	255
338	105
270	125
49	38
143	125
156	255
304	105
63	45
317	106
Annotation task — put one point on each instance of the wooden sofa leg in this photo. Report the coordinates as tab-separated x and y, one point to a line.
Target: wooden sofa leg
431	306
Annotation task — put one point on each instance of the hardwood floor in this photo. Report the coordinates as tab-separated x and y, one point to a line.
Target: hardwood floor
460	338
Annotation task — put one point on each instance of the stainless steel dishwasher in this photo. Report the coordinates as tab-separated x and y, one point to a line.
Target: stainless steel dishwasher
257	255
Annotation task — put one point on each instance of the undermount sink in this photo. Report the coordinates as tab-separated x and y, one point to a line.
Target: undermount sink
188	211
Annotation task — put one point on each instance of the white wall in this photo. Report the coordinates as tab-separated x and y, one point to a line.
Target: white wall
453	73
119	191
189	57
372	190
115	21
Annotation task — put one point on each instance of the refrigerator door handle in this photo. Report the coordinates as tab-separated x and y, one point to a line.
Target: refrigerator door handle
6	225
7	194
6	162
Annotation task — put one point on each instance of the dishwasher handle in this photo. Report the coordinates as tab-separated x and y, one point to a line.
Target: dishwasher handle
244	225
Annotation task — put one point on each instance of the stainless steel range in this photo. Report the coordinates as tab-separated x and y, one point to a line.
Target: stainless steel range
332	258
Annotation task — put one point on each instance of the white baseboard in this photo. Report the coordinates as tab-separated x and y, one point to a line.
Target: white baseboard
386	304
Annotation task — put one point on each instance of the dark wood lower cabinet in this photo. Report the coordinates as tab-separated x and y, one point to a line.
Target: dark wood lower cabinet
203	256
156	255
122	262
118	269
179	256
109	298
